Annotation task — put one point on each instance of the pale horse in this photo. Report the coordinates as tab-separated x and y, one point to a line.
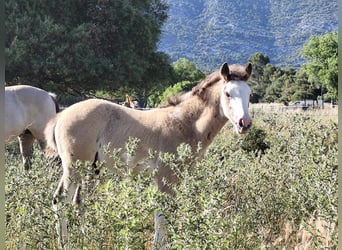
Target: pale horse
27	111
82	130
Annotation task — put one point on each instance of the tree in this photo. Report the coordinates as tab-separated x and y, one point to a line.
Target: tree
84	44
175	89
186	71
273	91
185	75
260	63
322	66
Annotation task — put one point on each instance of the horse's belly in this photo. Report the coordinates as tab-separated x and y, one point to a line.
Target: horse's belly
15	117
123	163
14	126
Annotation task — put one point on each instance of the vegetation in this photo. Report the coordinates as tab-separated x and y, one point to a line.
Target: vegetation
275	187
109	48
175	89
322	65
82	46
184	70
235	198
315	79
209	33
185	76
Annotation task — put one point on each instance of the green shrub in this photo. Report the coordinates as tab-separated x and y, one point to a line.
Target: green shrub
254	141
231	199
174	89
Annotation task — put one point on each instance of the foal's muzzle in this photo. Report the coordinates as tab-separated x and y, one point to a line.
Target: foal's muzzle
244	125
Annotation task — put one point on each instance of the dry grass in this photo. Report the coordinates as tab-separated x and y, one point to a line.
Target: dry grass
328	112
301	238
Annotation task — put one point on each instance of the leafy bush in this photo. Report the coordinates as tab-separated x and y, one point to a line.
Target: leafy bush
232	199
185	70
174	89
254	141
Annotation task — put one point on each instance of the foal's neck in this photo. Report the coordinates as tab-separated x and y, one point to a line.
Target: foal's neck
206	119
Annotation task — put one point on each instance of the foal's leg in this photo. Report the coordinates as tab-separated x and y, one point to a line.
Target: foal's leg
68	190
26	140
42	144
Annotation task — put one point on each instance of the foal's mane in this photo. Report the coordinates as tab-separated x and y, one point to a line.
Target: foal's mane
174	100
237	72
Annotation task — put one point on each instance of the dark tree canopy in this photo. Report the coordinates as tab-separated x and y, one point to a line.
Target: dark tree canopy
273	84
85	44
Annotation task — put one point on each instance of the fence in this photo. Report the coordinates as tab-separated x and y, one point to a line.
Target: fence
328	112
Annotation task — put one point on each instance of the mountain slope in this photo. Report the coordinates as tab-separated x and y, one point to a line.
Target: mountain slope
209	32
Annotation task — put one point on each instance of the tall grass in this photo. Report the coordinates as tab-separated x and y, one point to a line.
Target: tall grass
242	195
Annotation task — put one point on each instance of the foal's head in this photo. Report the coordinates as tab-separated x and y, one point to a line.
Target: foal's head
235	95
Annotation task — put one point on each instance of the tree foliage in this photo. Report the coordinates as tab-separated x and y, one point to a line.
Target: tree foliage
174	89
322	65
315	78
85	44
185	70
260	62
185	75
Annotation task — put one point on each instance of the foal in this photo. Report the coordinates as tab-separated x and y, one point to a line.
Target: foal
82	130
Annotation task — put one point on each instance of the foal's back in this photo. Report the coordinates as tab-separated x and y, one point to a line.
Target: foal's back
85	128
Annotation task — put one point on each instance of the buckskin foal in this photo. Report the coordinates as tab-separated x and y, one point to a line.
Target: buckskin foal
82	130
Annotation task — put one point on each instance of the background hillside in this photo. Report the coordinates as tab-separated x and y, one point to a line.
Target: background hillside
209	32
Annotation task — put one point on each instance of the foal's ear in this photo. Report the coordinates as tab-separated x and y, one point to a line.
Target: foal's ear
249	69
224	70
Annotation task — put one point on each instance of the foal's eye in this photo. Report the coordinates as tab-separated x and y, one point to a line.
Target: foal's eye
227	94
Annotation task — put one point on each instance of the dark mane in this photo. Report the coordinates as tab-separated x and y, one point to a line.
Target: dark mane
174	100
236	71
206	83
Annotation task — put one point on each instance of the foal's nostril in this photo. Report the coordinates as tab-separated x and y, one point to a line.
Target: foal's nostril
245	124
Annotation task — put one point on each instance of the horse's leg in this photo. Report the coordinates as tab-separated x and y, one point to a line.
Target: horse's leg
68	190
26	140
41	144
61	225
160	238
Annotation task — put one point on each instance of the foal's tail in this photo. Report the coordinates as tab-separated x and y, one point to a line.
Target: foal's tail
50	140
54	99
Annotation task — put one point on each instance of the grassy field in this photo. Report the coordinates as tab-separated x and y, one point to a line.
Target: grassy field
274	188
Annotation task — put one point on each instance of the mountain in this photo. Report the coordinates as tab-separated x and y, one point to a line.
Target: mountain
209	32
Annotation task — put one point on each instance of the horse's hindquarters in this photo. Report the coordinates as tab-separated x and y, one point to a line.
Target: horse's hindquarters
27	107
